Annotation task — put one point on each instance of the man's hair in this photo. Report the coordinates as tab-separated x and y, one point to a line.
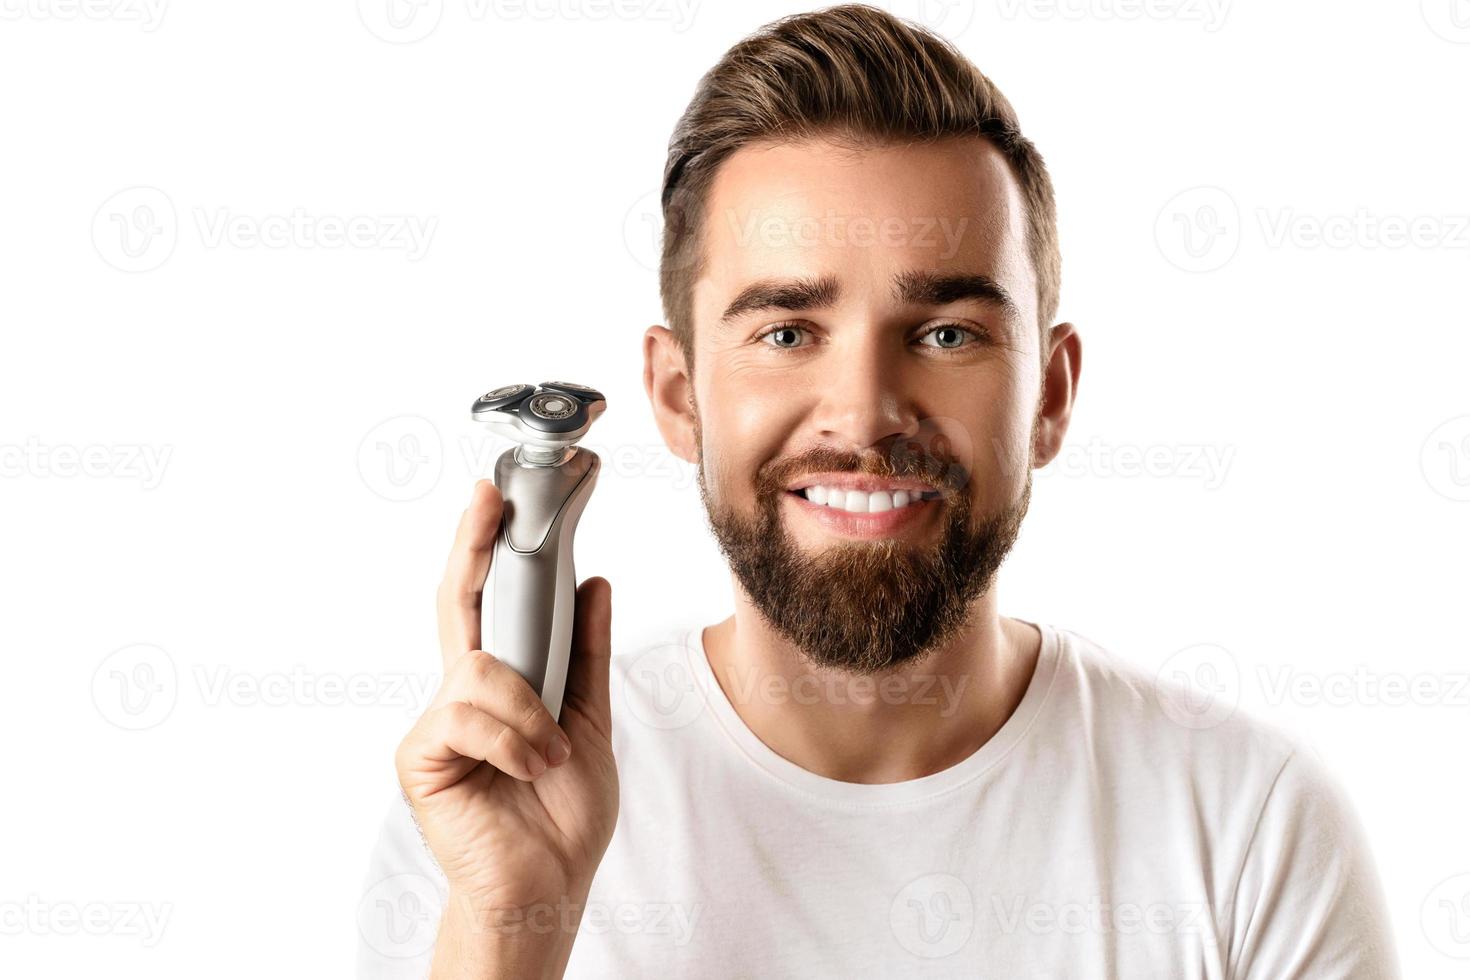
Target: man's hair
857	75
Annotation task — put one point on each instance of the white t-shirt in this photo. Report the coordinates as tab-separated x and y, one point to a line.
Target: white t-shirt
1111	828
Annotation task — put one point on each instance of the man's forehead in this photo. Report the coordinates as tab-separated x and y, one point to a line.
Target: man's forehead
941	179
784	209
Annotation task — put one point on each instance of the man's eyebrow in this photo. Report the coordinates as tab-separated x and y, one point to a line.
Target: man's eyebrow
783	294
938	288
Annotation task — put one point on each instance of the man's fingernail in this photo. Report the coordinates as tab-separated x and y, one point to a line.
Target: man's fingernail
535	765
558	751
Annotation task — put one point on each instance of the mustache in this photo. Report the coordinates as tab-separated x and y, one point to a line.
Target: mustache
896	459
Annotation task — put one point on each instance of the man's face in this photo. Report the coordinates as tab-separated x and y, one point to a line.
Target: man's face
866	326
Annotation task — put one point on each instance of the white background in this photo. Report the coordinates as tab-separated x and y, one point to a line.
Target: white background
235	447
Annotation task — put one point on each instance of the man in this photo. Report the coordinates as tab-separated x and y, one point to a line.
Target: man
866	770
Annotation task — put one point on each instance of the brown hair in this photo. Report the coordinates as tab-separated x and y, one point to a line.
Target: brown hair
856	74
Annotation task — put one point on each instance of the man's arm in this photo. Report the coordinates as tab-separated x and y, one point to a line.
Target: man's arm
1308	904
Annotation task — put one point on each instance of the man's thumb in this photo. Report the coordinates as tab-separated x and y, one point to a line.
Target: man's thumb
587	674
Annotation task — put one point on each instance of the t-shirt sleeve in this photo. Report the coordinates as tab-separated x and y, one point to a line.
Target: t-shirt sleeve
1308	904
402	896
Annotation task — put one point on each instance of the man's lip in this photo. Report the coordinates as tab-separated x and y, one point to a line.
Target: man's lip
864	482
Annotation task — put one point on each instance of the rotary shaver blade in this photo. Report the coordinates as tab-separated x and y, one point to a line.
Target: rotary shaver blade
547	420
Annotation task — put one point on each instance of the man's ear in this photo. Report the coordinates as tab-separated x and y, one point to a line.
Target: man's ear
1060	369
666	379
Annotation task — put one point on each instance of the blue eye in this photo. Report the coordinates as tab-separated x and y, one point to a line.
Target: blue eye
783	336
950	336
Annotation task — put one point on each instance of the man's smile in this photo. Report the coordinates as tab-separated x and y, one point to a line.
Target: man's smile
859	513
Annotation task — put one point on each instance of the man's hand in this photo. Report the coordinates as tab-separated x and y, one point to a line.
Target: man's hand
517	809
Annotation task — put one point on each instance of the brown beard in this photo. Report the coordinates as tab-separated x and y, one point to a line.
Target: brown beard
865	606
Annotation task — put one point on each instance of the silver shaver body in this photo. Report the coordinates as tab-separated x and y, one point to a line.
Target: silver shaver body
545	483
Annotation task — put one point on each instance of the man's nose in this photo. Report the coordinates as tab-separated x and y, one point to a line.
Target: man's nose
864	397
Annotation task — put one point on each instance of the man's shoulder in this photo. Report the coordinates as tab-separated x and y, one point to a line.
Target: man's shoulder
1181	717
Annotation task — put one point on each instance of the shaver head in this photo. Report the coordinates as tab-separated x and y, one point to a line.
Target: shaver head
547	420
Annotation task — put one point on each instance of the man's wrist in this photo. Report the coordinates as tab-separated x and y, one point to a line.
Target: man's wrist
486	939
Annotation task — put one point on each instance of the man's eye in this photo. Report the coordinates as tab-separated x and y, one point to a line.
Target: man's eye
948	336
783	336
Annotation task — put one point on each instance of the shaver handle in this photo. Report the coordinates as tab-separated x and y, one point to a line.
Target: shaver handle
534	589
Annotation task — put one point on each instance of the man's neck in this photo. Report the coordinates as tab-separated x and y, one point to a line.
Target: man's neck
904	723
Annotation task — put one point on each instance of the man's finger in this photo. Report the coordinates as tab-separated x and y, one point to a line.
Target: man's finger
463	585
587	674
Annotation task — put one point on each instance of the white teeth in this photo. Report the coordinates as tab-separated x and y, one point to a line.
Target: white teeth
860	502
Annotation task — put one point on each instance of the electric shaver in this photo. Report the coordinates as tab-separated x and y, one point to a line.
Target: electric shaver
545	481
